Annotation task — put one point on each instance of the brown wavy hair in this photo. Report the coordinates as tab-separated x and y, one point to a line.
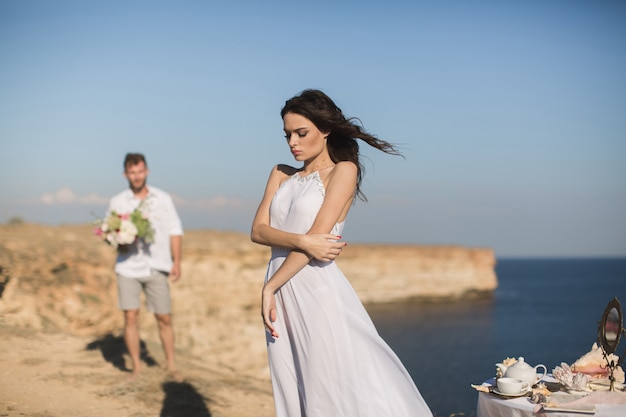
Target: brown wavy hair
342	140
132	159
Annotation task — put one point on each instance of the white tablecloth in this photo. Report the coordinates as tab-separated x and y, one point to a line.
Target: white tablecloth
492	405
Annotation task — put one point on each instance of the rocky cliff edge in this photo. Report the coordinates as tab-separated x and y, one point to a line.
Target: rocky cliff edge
61	278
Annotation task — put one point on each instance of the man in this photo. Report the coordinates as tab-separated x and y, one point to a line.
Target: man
147	266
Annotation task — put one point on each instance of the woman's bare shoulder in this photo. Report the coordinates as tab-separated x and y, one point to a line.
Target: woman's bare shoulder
280	173
285	169
345	168
346	165
342	172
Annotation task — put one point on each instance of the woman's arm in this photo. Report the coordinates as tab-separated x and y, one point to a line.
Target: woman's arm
337	201
321	246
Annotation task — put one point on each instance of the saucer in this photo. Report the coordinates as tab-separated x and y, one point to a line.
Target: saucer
519	394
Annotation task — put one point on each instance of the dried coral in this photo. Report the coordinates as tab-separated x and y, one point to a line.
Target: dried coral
571	380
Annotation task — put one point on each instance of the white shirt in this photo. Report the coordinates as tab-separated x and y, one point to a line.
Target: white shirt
142	258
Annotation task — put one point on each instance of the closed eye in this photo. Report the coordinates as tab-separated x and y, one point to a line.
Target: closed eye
300	133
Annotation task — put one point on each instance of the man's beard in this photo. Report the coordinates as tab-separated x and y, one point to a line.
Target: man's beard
139	188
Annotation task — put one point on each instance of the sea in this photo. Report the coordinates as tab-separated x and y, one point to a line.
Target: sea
545	310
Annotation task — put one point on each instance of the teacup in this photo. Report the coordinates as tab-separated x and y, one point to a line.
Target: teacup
511	386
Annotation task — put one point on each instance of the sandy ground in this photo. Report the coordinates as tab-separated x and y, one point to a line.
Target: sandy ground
59	375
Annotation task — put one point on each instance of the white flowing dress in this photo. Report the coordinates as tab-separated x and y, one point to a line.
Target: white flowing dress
328	360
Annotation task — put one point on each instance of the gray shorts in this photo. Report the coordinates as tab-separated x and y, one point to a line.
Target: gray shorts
155	286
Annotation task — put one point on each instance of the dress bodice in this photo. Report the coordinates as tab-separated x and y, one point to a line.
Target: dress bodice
297	202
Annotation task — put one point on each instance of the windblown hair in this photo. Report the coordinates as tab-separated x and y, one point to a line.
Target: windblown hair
342	140
132	159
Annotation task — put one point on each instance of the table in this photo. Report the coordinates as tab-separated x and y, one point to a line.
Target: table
492	405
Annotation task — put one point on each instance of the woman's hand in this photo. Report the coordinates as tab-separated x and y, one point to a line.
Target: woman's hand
268	310
322	246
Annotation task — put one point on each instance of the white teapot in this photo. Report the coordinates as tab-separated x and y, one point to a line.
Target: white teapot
522	370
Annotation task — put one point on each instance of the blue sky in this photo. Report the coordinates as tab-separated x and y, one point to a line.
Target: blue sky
511	115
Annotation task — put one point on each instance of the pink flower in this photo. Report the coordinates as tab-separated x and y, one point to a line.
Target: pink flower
97	231
125	216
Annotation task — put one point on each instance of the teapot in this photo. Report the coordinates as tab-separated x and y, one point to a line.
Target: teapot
522	370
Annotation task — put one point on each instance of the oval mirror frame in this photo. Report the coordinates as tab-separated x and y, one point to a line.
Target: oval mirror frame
611	327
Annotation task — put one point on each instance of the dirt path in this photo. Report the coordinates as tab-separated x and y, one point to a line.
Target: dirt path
59	375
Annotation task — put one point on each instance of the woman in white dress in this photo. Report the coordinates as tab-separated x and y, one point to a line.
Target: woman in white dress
326	357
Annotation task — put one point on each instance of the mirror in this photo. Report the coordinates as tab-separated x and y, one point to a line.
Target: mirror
610	330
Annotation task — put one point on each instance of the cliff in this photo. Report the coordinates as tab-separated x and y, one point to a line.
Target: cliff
393	272
62	278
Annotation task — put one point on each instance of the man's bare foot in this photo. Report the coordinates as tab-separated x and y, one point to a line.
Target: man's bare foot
134	375
175	375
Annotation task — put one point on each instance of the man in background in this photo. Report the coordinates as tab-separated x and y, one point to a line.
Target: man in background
147	266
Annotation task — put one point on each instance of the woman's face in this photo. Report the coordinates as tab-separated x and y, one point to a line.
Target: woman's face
305	140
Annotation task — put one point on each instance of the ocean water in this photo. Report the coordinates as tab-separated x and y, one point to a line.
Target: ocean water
546	310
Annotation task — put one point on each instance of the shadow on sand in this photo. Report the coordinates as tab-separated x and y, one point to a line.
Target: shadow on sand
113	349
182	400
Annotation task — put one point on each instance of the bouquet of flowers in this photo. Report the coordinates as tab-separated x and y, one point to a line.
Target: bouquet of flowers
124	229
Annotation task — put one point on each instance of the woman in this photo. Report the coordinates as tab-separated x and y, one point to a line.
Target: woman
326	357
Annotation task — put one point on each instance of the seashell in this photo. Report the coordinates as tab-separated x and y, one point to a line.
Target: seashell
579	382
570	379
509	361
538	398
594	364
